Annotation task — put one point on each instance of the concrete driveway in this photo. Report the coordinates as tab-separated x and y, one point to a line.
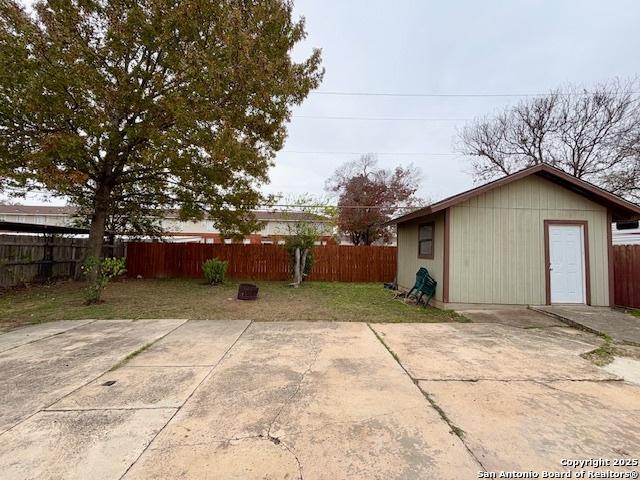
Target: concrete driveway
243	400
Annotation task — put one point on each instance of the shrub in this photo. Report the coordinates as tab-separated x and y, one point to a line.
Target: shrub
214	270
108	269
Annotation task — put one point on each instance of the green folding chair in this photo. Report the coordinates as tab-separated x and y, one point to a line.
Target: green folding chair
421	276
425	286
428	289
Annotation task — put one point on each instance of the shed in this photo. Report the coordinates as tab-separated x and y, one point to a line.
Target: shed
536	237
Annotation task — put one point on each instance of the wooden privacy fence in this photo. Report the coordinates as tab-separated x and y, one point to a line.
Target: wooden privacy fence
38	258
626	268
261	262
28	258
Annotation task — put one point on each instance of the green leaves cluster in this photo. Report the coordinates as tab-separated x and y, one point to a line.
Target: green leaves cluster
128	109
214	270
104	271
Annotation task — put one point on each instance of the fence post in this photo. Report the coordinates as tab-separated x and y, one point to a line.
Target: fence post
46	264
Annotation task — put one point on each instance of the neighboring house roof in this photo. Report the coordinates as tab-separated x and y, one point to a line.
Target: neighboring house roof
271	216
38	228
621	208
36	210
51	210
288	216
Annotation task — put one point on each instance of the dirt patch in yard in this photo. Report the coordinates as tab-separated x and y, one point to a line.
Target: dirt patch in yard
180	298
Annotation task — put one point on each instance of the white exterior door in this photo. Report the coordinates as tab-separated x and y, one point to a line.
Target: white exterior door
566	264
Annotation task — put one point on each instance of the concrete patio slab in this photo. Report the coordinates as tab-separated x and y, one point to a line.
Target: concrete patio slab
620	326
92	445
310	400
516	317
405	444
244	459
38	374
627	368
32	333
532	425
196	343
136	387
491	352
319	400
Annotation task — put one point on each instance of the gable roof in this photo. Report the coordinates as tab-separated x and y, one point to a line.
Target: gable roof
621	209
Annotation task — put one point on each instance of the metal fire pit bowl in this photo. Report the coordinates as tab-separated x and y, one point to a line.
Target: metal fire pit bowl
247	291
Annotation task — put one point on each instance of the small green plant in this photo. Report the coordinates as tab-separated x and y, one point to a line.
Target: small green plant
108	269
214	270
603	355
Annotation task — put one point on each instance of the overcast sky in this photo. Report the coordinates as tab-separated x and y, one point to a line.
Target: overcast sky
453	47
437	47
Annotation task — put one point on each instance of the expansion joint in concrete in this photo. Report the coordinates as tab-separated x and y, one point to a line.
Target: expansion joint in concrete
120	363
453	428
222	358
107	409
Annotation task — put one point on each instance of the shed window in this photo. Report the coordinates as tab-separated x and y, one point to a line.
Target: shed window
425	240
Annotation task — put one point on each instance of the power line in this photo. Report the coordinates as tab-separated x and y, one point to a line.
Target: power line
460	95
428	95
385	119
393	207
413	154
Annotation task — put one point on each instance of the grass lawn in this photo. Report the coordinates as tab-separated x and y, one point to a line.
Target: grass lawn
182	298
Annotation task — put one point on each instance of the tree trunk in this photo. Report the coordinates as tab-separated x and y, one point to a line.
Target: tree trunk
97	229
297	277
303	264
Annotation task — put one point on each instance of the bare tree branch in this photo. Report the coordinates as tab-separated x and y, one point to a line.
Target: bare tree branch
592	135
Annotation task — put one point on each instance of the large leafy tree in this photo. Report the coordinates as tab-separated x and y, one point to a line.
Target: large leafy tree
369	196
592	135
129	108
